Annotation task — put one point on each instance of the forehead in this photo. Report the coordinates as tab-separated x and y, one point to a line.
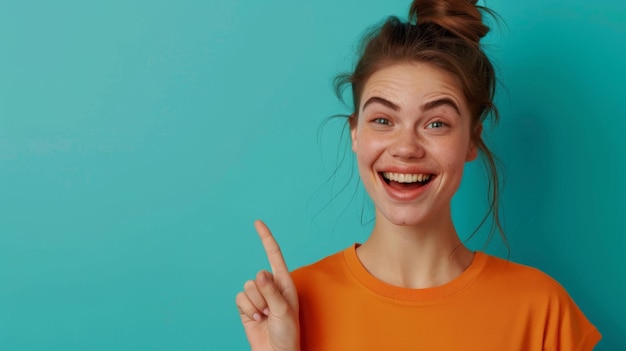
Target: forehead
412	83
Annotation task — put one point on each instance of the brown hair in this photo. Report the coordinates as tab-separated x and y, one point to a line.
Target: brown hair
446	34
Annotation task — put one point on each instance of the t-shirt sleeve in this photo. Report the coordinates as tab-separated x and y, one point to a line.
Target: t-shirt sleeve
567	328
552	320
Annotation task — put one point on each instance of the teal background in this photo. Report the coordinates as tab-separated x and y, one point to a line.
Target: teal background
139	140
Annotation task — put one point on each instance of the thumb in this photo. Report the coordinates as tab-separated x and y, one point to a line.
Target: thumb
279	301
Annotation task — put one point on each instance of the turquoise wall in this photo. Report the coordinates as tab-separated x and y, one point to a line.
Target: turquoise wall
139	140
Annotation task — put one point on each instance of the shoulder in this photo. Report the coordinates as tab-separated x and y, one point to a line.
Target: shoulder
540	299
521	278
323	269
330	277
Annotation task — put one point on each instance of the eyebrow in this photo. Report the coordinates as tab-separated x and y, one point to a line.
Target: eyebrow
425	107
384	102
441	102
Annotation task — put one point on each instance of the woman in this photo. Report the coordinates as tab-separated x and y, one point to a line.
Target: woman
421	91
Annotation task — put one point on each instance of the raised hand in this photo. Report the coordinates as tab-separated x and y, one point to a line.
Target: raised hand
268	305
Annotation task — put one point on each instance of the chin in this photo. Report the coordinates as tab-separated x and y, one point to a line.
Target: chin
407	223
405	219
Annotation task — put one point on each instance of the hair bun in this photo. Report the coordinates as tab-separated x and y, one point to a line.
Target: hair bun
461	17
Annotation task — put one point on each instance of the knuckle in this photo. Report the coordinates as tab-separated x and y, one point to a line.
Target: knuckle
269	288
240	298
244	305
249	285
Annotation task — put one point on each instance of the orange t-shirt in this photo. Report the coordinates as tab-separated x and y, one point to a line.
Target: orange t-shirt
494	305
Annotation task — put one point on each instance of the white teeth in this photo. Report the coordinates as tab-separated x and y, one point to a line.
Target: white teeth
406	178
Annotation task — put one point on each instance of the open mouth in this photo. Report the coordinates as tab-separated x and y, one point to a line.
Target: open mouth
402	181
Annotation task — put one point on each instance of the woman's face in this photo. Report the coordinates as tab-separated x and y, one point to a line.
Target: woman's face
412	139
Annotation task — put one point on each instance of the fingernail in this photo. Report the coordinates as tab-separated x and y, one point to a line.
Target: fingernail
256	316
262	278
266	311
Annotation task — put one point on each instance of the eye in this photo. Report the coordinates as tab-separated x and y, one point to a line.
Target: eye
436	124
382	121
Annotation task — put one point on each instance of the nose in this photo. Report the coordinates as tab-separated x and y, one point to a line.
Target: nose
406	145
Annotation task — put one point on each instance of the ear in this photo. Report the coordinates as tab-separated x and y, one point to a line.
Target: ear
352	122
472	151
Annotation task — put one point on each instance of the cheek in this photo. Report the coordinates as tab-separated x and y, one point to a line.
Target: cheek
453	156
364	155
368	151
362	144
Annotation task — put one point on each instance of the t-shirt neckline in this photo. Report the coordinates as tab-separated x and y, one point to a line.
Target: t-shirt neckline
450	289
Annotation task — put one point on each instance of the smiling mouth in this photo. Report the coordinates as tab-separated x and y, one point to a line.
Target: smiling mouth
406	181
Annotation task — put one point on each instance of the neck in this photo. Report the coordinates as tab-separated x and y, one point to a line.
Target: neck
420	256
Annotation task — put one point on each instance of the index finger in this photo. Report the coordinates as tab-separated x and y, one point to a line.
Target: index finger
274	255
